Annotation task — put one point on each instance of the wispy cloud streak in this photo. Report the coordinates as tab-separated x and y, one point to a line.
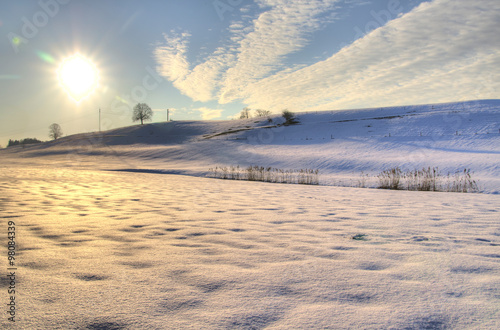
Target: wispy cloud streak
207	113
444	50
257	48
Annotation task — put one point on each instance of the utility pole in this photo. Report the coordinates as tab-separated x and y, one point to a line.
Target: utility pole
99	119
168	112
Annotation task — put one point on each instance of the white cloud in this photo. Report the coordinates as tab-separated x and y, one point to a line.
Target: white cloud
197	83
276	33
171	57
207	113
256	50
444	50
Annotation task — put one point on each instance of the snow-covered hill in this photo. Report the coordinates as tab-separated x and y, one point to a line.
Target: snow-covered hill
342	145
135	249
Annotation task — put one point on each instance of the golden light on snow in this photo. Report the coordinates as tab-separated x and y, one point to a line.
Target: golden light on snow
78	76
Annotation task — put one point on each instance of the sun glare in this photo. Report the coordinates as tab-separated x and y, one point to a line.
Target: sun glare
78	76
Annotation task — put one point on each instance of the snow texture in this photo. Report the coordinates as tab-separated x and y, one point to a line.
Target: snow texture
121	230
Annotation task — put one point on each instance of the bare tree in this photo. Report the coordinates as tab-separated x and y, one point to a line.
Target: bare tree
142	112
263	113
55	131
245	113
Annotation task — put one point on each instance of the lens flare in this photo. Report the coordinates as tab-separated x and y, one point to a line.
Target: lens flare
16	41
45	57
78	76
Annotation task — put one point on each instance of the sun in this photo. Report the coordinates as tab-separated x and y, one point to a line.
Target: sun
78	76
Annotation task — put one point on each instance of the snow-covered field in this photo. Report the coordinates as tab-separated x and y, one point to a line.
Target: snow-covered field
158	245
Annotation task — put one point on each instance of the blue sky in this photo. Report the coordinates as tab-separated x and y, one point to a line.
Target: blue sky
208	59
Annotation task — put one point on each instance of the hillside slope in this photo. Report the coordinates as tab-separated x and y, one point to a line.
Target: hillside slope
341	144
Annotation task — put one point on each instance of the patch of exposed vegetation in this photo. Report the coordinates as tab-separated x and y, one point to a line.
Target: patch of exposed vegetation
427	179
265	174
